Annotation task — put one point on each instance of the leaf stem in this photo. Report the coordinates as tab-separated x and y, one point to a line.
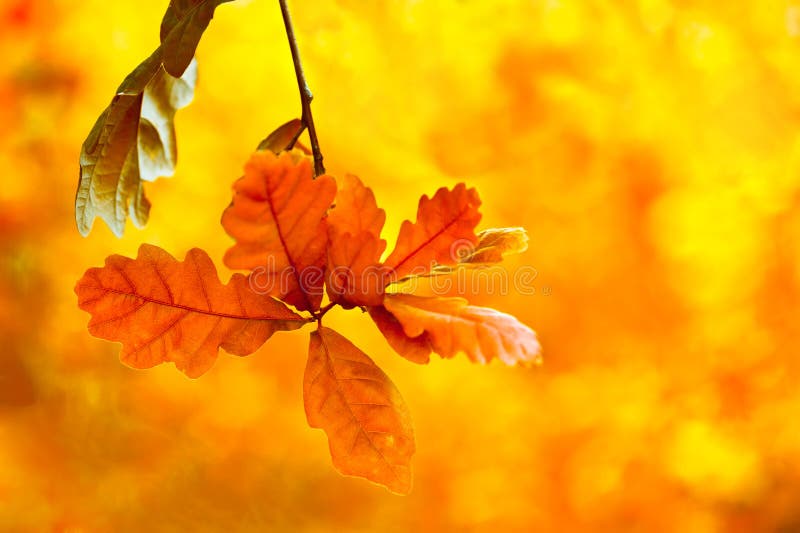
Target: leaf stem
305	93
321	313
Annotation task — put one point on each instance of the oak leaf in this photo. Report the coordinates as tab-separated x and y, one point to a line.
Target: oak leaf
134	137
132	140
283	138
451	325
277	218
163	96
355	275
367	422
495	244
356	210
416	349
162	309
181	29
445	223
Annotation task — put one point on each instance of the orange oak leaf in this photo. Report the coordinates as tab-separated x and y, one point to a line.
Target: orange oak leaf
355	276
451	326
477	270
277	218
445	224
356	210
162	309
359	408
415	349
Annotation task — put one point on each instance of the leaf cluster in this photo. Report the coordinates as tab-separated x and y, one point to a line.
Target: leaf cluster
301	238
305	244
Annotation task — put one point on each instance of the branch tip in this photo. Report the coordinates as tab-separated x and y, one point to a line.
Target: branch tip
305	92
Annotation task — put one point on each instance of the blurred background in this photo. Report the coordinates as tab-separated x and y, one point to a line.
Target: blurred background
651	149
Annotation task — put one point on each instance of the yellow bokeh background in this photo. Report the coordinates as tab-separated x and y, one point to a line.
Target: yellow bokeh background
650	148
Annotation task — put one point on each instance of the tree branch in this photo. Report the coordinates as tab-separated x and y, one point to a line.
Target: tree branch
305	92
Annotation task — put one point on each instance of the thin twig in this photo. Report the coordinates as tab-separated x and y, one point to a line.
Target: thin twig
321	313
305	92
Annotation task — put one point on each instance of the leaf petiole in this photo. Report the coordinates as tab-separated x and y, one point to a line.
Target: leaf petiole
319	314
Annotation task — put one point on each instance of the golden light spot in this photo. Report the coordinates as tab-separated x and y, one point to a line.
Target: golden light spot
713	464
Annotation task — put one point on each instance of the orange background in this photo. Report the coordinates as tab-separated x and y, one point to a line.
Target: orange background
650	148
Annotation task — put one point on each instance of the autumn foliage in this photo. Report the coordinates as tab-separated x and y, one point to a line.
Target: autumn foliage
650	148
297	236
163	310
